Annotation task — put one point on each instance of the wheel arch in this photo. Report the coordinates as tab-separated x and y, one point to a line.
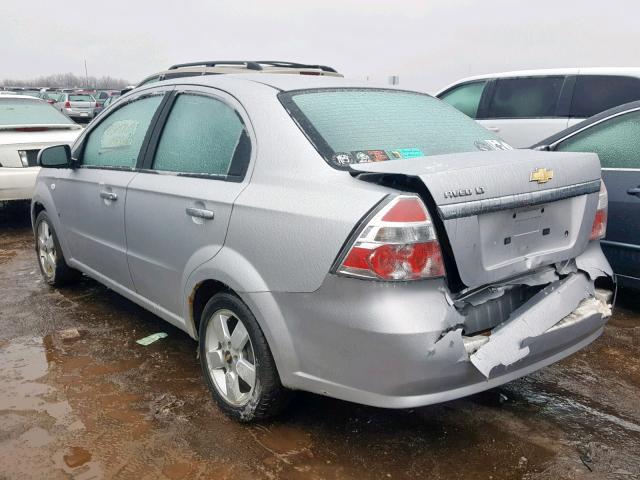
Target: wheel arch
223	274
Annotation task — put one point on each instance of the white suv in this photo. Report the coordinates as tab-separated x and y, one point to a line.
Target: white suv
527	106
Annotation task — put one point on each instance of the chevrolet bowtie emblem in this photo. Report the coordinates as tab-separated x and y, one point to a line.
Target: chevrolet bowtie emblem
541	175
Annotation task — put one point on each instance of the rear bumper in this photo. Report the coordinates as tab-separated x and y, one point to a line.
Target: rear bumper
79	113
17	183
402	346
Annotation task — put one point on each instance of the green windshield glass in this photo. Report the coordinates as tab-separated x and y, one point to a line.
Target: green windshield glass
24	111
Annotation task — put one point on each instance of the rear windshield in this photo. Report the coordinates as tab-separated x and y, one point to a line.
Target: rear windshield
23	111
81	98
349	126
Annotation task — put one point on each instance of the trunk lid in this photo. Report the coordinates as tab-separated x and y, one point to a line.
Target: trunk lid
507	212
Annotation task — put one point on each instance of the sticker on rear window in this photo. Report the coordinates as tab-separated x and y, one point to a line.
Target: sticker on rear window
342	158
410	153
377	155
404	153
361	156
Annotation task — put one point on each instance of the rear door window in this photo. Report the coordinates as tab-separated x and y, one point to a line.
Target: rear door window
533	97
616	141
200	137
465	98
595	93
117	140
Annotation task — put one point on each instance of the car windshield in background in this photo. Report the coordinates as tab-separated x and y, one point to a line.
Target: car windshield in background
24	111
81	98
349	126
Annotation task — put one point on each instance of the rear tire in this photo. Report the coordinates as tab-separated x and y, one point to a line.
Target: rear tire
237	363
51	261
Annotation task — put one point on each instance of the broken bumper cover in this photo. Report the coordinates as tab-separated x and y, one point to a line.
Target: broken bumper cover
402	346
560	309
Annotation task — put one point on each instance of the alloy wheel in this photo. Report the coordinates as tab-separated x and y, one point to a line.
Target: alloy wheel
230	357
46	249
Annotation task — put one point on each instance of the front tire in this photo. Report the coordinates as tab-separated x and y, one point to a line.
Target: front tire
237	363
51	261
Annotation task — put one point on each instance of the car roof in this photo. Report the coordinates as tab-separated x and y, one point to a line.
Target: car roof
235	67
276	81
628	71
585	123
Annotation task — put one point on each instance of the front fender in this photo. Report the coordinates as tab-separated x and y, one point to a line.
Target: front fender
42	195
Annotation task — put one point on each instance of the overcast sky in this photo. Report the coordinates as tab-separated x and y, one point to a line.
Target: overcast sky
427	43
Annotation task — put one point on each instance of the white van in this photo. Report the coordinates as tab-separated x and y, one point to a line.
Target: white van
527	106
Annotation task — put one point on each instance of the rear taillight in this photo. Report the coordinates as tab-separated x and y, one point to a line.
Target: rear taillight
599	227
98	104
67	104
398	243
50	101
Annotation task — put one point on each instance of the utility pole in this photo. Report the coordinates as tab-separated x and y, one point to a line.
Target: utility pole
86	75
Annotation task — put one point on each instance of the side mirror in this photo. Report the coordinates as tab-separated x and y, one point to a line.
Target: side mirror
58	156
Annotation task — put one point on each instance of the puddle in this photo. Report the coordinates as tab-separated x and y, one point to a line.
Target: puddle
97	405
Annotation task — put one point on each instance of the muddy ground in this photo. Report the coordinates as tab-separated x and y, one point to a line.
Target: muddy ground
101	406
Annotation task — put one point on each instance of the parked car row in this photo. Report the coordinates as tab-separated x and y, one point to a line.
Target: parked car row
379	246
527	106
27	125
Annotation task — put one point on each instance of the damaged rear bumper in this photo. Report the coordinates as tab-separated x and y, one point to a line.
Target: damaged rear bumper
404	345
561	310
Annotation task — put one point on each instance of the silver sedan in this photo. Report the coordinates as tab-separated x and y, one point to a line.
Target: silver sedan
369	244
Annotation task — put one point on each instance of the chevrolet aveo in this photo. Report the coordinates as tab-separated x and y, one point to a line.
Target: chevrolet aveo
369	244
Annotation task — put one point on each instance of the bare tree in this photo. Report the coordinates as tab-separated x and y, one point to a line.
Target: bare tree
67	80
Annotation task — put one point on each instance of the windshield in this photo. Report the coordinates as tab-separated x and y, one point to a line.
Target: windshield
24	111
360	125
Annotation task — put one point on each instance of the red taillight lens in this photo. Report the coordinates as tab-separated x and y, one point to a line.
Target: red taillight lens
98	104
398	243
67	104
599	227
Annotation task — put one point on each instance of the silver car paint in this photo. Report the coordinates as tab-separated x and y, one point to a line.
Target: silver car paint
374	343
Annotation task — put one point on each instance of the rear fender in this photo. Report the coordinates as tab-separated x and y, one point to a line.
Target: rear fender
236	272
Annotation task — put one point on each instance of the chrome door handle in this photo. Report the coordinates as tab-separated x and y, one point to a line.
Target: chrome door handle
634	191
200	213
108	195
493	129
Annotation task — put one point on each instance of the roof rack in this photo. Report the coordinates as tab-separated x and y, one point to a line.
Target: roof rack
251	65
276	63
214	63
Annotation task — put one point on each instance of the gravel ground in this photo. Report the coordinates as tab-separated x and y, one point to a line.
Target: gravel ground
80	399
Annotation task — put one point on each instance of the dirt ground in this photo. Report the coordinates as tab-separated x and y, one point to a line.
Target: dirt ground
98	405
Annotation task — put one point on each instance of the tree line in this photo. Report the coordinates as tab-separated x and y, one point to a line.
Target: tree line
68	80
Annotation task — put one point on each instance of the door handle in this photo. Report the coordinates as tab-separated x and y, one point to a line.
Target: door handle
634	191
200	213
108	195
493	129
